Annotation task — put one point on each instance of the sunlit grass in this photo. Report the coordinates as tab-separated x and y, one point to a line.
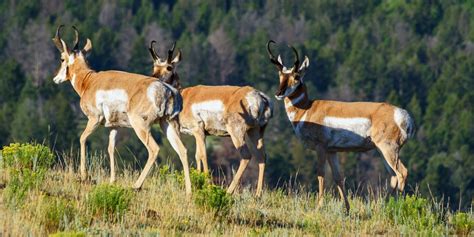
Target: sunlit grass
161	207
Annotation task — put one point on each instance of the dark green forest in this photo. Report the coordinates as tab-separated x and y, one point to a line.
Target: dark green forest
417	54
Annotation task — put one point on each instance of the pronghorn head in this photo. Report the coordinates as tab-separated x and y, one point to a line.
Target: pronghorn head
290	79
165	69
69	58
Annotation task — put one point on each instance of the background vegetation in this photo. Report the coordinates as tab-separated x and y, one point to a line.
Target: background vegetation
415	54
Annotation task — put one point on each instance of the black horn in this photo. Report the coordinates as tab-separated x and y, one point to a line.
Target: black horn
57	39
272	57
76	39
170	52
297	58
153	53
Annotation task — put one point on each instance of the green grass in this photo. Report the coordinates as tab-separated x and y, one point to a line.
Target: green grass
64	206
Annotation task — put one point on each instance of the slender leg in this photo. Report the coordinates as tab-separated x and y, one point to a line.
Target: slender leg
90	127
338	177
111	150
144	134
321	172
238	138
390	154
256	146
201	155
393	178
175	141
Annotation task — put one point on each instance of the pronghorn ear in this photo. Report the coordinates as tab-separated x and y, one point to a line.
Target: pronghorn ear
87	48
177	58
304	65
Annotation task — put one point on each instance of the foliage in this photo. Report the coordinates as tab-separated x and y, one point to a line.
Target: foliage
54	213
214	198
26	165
199	180
109	202
462	223
411	210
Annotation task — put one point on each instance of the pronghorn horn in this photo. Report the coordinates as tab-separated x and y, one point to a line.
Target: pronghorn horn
170	53
153	53
76	40
272	57
297	58
57	39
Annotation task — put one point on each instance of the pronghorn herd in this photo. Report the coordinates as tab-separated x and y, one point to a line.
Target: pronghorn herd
122	99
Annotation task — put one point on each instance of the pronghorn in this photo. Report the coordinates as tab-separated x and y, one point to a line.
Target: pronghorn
239	112
121	99
333	126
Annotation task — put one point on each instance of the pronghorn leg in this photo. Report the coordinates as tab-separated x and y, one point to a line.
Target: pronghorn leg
257	148
238	138
201	155
111	150
321	173
391	156
173	137
90	127
338	178
393	175
144	134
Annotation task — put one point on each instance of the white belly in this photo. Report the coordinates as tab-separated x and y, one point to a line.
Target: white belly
211	113
346	132
112	105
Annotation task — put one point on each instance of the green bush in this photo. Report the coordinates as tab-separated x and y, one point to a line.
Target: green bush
54	214
26	165
462	223
412	211
214	198
109	202
198	179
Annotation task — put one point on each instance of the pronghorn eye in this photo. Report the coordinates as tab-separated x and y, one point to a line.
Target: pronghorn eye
169	68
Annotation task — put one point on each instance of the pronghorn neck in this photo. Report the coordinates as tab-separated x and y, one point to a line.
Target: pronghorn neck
80	76
297	102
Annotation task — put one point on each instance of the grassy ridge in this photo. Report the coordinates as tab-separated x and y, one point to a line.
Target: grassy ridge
62	203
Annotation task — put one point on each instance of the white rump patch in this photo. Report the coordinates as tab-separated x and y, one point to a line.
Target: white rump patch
404	122
113	105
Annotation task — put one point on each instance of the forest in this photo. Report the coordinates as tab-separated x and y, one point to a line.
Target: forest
415	54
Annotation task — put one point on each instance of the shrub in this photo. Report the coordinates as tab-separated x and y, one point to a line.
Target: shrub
214	198
109	201
462	223
411	210
198	179
54	213
26	166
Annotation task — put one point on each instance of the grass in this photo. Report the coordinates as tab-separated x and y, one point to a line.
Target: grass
64	206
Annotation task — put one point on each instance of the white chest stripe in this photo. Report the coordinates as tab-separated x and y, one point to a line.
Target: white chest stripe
360	126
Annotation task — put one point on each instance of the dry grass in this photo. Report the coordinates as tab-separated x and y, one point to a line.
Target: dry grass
161	207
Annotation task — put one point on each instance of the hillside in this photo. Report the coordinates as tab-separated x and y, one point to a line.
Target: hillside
61	203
